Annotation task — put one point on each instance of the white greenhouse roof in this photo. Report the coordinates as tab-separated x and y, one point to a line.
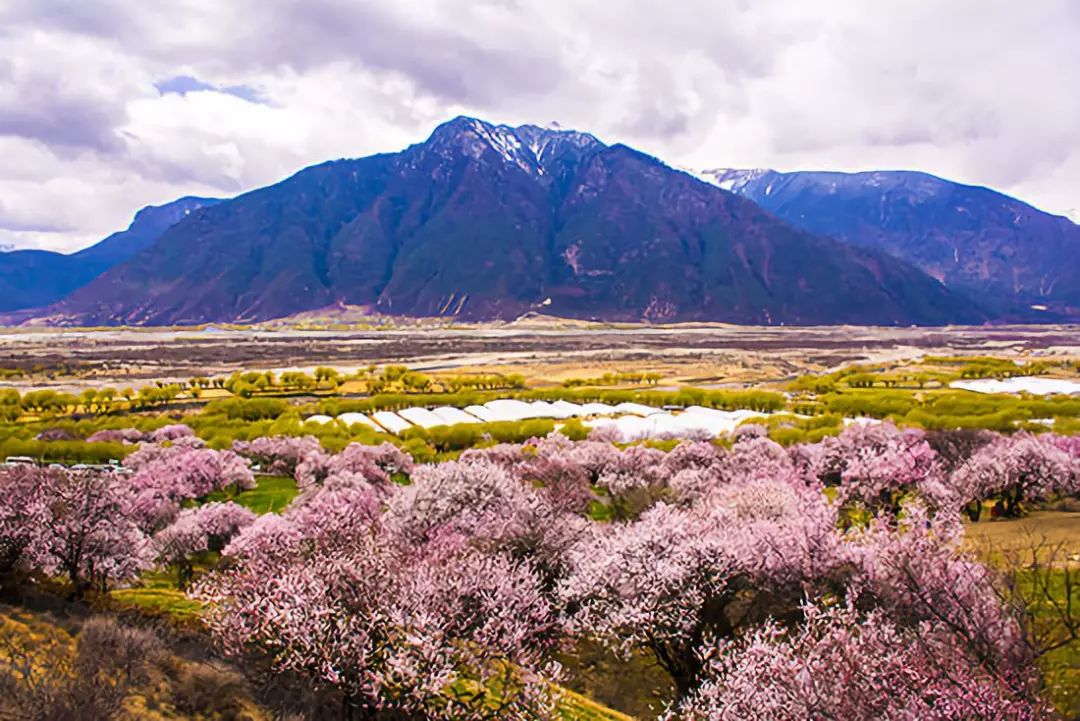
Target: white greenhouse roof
637	409
633	421
666	425
572	410
421	417
544	409
509	409
1026	384
350	418
860	421
452	416
482	412
391	421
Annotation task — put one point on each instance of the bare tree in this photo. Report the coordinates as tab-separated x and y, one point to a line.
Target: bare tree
44	678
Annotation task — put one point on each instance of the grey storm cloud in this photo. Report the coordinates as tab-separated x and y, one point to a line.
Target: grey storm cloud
443	58
11	222
64	123
477	53
49	108
114	103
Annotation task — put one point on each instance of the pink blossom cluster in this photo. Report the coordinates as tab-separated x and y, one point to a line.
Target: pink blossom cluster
279	455
630	478
171	432
755	457
504	454
23	509
1018	469
373	464
684	584
479	499
166	476
843	664
121	435
402	622
730	567
675	575
205	528
875	465
1069	444
876	468
94	526
73	523
199	530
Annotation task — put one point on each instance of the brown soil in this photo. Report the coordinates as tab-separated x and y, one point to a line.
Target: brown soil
709	355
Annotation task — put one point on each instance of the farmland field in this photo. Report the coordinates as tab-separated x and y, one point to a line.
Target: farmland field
693	354
543	520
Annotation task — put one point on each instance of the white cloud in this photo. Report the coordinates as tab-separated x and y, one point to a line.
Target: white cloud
979	91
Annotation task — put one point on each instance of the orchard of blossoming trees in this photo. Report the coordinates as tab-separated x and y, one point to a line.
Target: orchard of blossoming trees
816	581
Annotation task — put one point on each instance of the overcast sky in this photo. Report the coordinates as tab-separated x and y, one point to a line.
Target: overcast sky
110	105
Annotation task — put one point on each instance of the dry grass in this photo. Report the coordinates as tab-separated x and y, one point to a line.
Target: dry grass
1016	535
1042	550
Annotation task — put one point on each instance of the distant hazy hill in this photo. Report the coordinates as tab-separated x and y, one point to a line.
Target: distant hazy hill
483	222
1002	252
31	278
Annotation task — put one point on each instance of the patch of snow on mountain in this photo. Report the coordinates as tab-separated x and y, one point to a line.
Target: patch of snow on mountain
538	144
546	142
507	144
704	176
730	179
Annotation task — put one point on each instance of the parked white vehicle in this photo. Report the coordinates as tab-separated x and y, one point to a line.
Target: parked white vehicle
20	461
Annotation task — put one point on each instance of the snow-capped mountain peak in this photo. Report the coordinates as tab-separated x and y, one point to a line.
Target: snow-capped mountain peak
529	147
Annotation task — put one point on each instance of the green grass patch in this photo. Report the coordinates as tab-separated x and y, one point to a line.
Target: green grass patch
166	602
1061	666
270	495
1061	674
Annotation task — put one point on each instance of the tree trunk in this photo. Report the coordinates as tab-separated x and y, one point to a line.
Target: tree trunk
348	707
78	586
184	573
974	510
1012	503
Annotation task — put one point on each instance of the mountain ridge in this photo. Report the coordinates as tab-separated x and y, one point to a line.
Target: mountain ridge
30	278
485	221
1017	260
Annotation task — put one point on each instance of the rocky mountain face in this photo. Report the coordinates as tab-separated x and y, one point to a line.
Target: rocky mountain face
483	222
33	278
1015	260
